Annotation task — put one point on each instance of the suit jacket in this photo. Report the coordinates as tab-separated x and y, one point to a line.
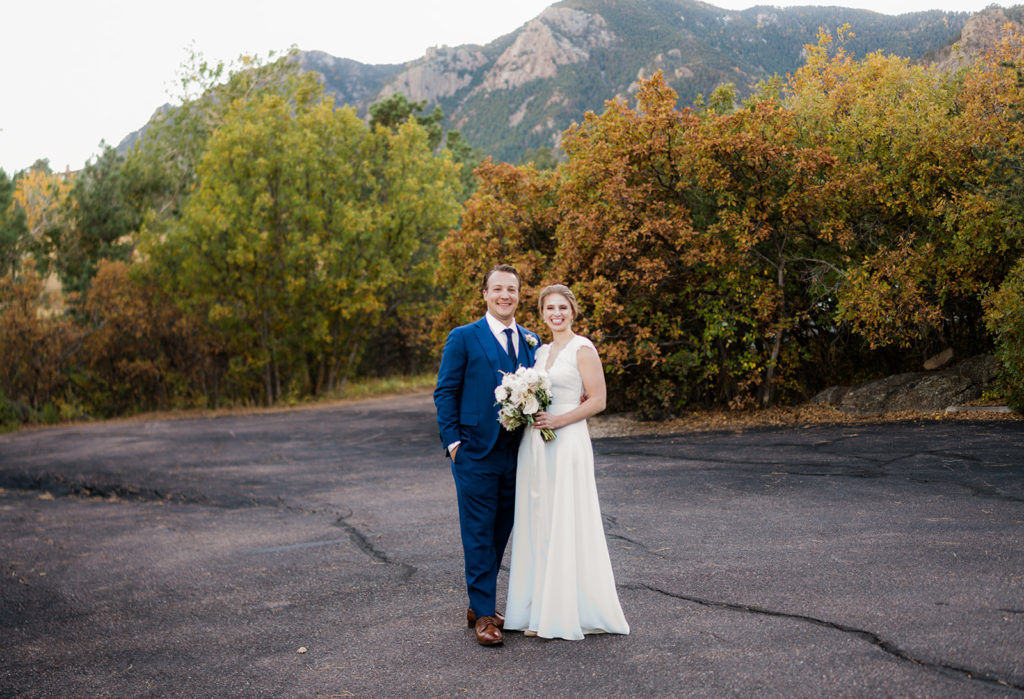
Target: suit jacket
470	371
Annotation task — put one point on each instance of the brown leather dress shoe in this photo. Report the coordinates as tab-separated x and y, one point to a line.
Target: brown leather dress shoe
487	631
471	618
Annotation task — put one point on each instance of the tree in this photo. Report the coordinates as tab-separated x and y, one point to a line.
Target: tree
396	109
920	230
542	158
43	197
161	166
511	218
35	347
303	225
103	221
13	230
995	98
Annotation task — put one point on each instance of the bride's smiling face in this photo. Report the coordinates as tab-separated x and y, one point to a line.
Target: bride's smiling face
557	313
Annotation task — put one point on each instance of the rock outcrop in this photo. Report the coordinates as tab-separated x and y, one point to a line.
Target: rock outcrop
919	390
557	37
350	80
981	32
441	73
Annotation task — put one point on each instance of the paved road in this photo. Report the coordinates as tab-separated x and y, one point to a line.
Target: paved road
195	557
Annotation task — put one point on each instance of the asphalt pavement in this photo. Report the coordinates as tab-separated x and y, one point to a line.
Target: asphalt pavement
315	553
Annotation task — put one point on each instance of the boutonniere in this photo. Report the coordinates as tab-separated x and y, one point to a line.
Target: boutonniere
531	340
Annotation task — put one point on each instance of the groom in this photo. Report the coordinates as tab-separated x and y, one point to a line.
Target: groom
483	455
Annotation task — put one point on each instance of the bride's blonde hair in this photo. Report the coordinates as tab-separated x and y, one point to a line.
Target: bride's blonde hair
563	290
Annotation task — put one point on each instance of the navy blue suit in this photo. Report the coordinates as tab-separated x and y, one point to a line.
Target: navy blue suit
485	463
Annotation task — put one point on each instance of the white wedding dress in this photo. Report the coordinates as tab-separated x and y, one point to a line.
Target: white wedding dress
560	577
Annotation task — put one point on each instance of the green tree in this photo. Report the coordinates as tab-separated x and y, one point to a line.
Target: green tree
467	158
542	158
303	226
102	221
161	166
13	229
396	109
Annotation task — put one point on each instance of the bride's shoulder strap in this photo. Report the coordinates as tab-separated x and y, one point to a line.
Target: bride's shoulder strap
584	342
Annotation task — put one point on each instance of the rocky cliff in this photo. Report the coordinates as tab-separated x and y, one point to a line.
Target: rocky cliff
981	32
523	89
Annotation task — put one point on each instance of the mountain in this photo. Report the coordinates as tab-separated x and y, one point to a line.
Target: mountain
523	89
981	31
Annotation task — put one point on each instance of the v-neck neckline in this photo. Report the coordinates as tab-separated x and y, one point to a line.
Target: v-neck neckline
551	360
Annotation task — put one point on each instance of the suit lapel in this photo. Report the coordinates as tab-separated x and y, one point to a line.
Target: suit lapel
492	347
487	343
525	357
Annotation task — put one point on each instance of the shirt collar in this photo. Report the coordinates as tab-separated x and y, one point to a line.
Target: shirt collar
497	327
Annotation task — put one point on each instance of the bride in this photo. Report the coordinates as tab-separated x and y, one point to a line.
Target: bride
560	577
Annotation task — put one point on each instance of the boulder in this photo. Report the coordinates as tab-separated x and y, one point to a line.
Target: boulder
918	390
940	360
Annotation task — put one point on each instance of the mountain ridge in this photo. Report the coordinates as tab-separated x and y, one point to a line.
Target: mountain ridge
523	89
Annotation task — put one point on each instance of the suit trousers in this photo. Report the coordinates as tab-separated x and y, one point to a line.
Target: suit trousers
486	491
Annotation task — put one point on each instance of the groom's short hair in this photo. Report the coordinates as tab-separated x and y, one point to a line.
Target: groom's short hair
501	268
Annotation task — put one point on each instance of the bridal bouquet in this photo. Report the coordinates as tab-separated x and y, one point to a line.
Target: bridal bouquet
521	396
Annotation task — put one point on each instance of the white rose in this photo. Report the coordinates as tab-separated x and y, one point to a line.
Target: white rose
519	393
500	393
532	405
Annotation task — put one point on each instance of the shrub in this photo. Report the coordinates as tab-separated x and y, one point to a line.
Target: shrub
1004	317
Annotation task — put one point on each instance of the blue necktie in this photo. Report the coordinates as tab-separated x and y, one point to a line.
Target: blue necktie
509	345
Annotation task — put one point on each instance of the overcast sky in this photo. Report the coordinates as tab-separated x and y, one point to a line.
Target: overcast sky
80	71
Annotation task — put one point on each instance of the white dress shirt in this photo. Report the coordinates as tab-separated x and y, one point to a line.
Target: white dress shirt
498	328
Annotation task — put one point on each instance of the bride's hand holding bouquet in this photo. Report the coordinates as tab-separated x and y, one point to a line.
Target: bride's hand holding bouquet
521	396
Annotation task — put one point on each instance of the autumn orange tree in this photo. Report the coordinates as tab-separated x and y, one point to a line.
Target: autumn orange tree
995	101
847	220
629	243
704	240
43	198
893	128
140	351
36	348
510	219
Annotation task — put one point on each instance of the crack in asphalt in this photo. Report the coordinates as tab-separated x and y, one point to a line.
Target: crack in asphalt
364	544
611	522
887	646
987	491
58	486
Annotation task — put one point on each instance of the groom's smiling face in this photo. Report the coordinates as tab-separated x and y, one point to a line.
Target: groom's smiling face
502	296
